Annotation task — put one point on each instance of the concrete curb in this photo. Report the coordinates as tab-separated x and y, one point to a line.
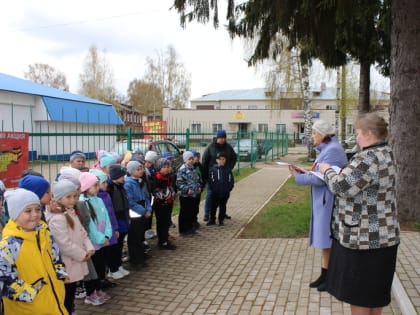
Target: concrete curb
404	302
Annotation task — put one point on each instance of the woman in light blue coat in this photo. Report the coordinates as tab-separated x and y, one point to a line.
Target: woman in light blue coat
322	200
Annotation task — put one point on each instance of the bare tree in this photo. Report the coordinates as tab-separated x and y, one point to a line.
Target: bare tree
146	98
97	78
45	74
168	73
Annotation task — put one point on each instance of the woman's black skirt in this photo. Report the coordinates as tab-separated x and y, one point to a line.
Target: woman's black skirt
361	277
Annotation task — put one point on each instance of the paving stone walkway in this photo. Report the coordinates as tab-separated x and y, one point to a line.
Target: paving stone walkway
218	273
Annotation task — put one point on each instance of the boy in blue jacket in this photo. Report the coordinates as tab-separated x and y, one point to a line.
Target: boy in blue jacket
221	183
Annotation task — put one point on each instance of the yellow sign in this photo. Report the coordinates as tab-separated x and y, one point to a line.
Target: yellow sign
238	115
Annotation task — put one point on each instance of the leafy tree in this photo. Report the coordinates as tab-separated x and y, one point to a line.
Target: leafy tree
331	31
97	78
168	73
146	98
405	107
45	74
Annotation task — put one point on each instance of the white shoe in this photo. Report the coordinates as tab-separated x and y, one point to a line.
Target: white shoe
125	272
116	275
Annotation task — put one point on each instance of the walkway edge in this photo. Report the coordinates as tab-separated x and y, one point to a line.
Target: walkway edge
261	207
404	302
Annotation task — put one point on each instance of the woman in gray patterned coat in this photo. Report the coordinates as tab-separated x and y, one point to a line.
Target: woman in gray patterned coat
364	224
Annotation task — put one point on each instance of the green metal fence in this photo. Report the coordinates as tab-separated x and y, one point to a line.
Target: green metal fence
54	148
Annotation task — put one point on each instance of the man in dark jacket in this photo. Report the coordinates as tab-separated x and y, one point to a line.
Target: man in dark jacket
209	159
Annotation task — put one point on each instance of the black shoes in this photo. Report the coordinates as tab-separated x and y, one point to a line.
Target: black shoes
167	245
320	283
211	222
221	223
206	218
228	217
106	284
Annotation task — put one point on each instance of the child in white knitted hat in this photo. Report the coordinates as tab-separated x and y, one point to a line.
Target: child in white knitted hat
31	270
75	246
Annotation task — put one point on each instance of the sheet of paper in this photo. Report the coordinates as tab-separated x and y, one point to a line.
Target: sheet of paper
283	163
134	214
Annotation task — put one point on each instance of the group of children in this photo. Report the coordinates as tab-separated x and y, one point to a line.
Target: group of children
62	242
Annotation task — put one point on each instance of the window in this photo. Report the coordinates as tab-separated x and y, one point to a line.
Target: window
216	127
196	128
330	107
281	128
252	107
262	127
238	106
350	130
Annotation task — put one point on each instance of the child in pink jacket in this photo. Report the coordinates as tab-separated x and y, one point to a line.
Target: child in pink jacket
72	239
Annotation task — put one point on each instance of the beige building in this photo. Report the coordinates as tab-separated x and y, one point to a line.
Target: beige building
258	110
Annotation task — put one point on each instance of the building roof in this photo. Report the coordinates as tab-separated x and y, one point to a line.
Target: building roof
252	94
256	94
61	105
327	93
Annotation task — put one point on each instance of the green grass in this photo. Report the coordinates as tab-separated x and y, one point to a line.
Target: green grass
286	215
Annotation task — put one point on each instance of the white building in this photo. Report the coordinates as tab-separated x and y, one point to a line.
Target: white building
257	109
40	110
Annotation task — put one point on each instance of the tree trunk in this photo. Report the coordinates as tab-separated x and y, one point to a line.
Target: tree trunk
364	87
405	105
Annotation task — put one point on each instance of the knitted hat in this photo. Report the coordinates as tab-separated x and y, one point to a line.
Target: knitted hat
102	177
116	171
151	156
138	156
87	180
30	171
38	185
61	188
70	170
77	154
70	177
161	163
107	159
323	128
221	133
195	152
187	155
18	199
132	166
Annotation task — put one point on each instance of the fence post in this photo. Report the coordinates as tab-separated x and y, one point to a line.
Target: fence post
187	139
129	139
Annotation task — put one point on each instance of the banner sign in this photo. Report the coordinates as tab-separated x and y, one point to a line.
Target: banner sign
158	127
13	156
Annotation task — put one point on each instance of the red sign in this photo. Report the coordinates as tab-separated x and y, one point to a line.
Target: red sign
13	156
158	127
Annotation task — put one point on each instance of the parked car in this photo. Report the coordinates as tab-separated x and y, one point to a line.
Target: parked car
247	149
159	146
350	142
179	140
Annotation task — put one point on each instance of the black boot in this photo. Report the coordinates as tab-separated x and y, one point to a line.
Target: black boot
322	287
320	280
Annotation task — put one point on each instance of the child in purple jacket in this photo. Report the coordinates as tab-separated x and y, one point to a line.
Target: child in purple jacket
112	258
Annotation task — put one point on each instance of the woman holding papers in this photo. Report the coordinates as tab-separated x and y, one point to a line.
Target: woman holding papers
365	227
330	151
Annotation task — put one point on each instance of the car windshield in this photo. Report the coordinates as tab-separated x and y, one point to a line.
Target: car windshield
121	147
